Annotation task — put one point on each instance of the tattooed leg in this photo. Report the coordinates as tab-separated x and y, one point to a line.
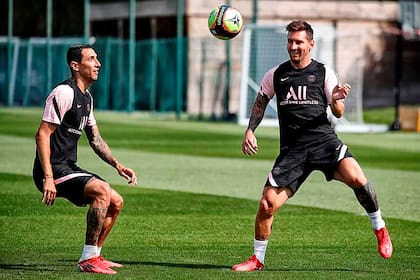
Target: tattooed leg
95	220
366	196
114	210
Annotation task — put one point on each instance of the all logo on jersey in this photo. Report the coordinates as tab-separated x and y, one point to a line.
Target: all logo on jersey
298	97
83	122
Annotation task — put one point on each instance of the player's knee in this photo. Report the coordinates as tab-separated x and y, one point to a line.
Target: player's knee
352	174
117	203
354	178
357	181
267	208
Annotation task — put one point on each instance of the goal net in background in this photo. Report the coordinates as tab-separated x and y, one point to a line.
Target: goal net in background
264	47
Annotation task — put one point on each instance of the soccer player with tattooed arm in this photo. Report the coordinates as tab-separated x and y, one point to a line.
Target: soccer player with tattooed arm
304	88
68	112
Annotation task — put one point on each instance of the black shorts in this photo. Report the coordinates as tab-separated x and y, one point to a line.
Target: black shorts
295	164
70	181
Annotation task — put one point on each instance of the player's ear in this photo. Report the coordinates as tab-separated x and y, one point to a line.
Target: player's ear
312	43
74	66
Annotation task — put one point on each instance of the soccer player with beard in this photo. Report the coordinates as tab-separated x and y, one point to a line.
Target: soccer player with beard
304	88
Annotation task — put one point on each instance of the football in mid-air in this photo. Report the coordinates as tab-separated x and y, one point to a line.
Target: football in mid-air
225	22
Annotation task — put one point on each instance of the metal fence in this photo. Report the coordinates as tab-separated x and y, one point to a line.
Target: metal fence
28	79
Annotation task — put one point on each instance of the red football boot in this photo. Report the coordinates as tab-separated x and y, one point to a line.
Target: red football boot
108	263
384	243
94	265
250	265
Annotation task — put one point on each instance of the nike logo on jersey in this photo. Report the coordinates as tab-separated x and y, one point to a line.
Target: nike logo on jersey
284	79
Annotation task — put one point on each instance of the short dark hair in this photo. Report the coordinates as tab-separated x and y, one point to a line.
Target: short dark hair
74	53
300	25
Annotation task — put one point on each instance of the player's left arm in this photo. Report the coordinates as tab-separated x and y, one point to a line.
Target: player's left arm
335	92
339	93
102	149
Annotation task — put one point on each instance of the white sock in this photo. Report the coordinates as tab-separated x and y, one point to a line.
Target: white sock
260	246
89	251
376	219
98	251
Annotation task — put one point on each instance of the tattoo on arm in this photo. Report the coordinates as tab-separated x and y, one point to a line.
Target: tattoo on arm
99	145
258	110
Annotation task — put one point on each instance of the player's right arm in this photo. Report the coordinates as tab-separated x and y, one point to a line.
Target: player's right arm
249	144
42	139
265	93
58	102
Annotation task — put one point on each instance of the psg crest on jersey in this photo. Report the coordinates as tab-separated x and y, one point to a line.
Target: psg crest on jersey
311	78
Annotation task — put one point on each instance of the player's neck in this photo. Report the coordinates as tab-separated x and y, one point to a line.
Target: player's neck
301	64
82	84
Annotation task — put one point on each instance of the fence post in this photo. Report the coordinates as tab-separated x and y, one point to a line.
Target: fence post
86	21
179	56
9	55
132	56
49	54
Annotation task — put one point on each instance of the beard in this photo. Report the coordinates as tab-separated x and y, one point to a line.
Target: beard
295	59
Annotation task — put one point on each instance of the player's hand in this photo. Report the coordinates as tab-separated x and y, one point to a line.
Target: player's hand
341	91
249	145
128	174
50	192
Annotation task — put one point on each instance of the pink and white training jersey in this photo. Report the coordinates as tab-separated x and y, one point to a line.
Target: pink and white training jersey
64	96
302	96
72	110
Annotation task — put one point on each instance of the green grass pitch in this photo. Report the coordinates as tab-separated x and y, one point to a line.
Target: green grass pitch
191	217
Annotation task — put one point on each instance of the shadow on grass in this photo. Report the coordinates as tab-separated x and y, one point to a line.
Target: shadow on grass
229	267
33	267
180	265
44	268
